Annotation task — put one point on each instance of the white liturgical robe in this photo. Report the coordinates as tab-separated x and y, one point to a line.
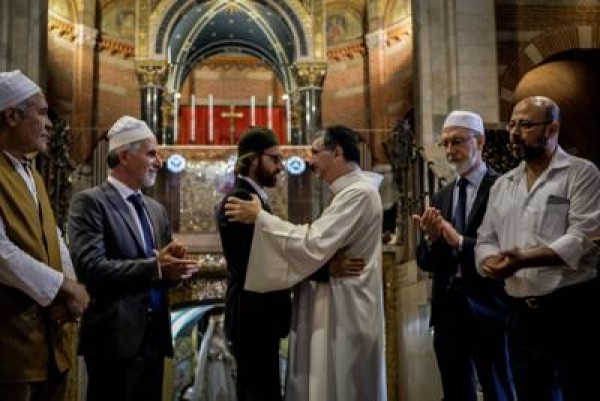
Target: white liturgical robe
336	343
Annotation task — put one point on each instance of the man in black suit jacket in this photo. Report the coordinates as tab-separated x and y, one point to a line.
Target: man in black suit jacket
114	233
468	312
254	322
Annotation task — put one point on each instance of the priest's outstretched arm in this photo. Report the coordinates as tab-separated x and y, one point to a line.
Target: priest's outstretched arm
284	254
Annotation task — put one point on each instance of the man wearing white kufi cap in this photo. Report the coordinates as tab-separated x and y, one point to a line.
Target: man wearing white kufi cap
124	253
39	293
467	311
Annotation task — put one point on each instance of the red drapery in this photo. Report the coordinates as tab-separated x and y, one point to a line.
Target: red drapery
225	120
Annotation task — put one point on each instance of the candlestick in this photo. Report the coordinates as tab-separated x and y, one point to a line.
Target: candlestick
252	110
176	118
270	112
210	118
288	118
193	120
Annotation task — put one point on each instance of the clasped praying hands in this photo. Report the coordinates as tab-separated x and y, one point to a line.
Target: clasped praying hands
435	227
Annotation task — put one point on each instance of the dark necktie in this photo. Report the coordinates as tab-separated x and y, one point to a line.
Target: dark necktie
137	201
460	213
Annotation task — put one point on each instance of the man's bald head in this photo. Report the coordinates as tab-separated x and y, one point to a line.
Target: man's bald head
549	107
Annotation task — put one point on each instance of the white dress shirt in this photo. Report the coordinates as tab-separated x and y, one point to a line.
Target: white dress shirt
23	272
560	211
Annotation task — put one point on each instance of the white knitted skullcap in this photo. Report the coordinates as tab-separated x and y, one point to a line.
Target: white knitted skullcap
127	130
465	119
15	87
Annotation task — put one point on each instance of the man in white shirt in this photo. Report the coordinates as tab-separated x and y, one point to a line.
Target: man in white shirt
336	339
537	235
38	289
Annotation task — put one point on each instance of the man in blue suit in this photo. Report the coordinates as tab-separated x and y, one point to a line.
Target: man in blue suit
122	250
468	311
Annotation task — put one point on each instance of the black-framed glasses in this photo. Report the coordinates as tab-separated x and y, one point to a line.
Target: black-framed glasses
277	158
525	124
455	141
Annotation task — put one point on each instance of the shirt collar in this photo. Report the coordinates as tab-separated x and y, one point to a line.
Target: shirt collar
356	175
259	190
17	162
121	188
560	159
476	175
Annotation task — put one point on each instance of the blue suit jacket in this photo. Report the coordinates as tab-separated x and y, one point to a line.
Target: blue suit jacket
109	258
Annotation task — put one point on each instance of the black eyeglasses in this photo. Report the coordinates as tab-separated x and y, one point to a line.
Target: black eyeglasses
275	158
525	124
454	141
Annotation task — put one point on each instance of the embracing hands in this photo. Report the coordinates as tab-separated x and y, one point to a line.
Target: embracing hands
243	211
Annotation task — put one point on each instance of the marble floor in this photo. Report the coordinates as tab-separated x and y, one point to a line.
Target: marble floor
419	379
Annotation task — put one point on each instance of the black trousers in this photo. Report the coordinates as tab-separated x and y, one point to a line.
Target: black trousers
257	361
554	344
133	379
470	350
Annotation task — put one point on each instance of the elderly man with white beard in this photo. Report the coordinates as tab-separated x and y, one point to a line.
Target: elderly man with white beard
468	311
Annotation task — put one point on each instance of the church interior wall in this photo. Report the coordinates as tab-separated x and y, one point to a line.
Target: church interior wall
345	94
232	84
60	75
552	26
567	79
117	89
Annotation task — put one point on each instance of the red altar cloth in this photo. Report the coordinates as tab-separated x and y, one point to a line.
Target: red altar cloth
222	134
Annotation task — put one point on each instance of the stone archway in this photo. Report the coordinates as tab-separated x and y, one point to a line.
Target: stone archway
539	49
163	64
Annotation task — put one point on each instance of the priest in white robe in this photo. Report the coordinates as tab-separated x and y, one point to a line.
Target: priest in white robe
337	338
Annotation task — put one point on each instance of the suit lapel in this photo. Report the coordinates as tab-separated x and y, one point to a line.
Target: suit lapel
154	215
447	198
481	198
113	196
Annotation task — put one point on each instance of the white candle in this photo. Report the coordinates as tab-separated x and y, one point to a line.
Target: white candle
176	118
169	54
252	110
193	120
270	112
210	118
288	118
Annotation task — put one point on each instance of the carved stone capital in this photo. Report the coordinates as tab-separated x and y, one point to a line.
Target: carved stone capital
310	74
85	35
376	39
151	72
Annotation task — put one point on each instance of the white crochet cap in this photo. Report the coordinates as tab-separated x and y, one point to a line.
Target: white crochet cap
127	130
15	87
465	119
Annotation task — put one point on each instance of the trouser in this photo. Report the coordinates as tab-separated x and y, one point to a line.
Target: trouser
470	349
554	344
257	368
132	379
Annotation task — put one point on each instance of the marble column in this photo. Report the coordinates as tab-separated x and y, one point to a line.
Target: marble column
455	62
84	86
376	54
152	76
23	37
309	78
